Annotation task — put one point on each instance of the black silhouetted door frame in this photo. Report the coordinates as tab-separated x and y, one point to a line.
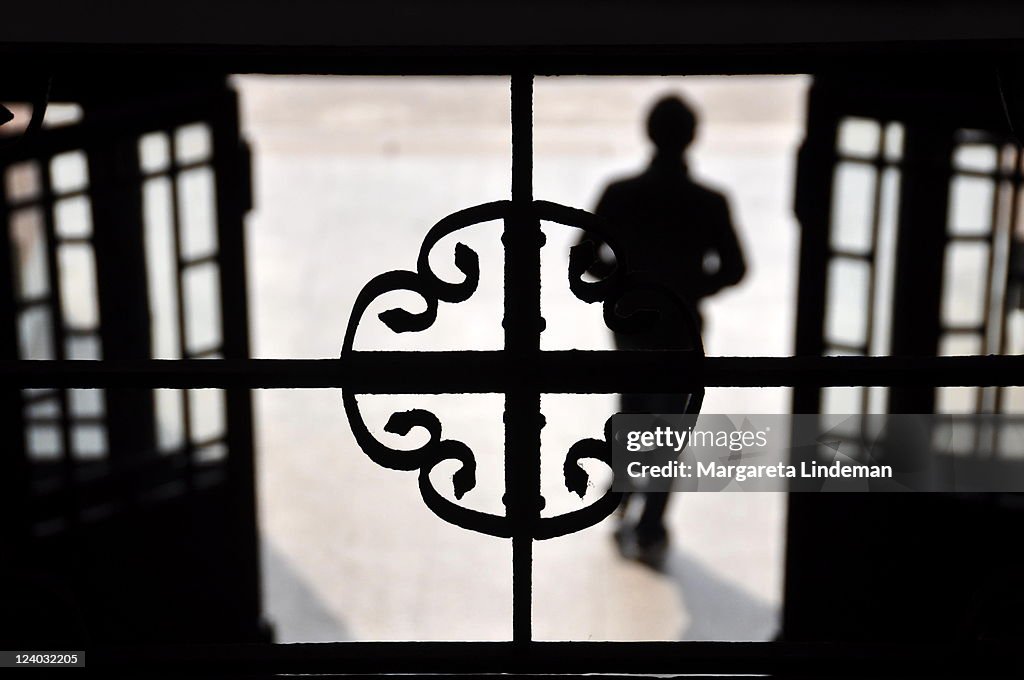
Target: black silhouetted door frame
894	553
198	490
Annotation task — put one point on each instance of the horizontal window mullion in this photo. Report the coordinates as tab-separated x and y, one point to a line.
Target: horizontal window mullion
497	371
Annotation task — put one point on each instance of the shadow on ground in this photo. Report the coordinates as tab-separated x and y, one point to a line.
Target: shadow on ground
717	609
294	608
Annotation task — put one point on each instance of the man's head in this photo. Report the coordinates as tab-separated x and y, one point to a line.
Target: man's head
671	125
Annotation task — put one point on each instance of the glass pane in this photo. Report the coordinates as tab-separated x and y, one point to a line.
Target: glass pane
79	304
959	344
878	399
847	302
69	172
202	306
28	240
170	419
43	408
206	410
61	113
22	181
971	205
87	403
1008	157
73	217
859	137
956	399
1014	332
44	442
192	143
853	207
1013	400
356	152
197	208
83	347
976	157
1009	441
894	142
966	280
154	152
885	257
842	400
161	269
35	334
89	442
963	440
211	453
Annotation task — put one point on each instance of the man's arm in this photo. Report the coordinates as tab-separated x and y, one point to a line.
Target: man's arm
732	266
602	266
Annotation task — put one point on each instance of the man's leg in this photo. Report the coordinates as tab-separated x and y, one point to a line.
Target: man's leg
650	530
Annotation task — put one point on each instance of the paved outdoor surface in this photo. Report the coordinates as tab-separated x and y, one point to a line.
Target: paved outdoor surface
349	175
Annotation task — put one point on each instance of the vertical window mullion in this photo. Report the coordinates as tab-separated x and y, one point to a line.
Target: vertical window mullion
179	269
70	502
872	255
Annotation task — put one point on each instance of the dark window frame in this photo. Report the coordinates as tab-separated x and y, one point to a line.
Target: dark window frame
569	372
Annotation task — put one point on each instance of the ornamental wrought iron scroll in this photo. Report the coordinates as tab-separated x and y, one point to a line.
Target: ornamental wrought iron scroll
433	290
522	239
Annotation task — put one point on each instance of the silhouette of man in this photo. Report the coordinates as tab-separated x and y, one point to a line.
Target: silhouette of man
680	235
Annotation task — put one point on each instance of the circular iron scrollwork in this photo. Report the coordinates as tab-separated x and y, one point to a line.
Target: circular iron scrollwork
424	282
